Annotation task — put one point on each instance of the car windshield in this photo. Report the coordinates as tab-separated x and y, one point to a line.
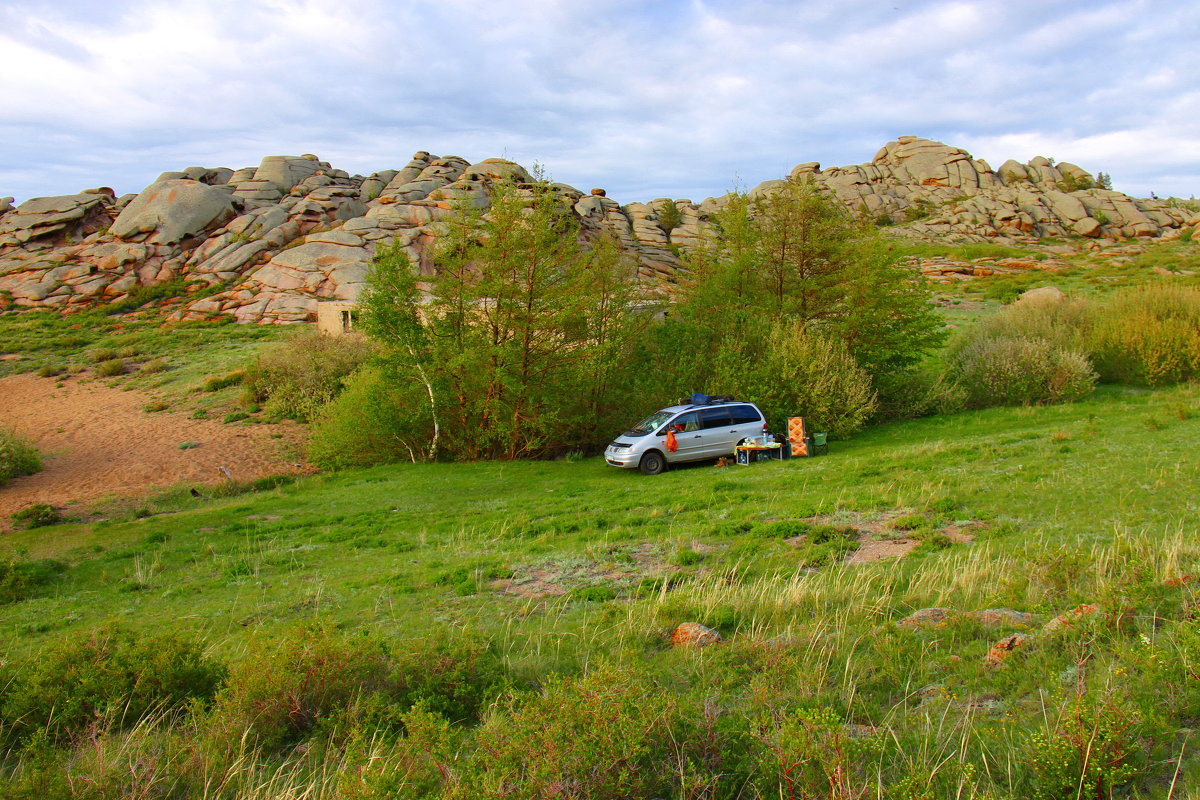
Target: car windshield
650	424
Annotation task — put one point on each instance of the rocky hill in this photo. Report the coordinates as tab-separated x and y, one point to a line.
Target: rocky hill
268	243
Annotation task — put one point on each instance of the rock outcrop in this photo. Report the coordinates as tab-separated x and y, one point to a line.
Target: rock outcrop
266	244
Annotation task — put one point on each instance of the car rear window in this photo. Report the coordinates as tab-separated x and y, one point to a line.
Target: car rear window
743	414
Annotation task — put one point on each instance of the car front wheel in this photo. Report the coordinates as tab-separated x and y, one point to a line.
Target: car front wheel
652	463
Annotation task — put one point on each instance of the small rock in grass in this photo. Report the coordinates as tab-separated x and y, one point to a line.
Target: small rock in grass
1071	618
693	634
1002	649
927	617
997	617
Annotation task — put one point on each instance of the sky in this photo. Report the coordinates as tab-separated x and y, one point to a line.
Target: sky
644	98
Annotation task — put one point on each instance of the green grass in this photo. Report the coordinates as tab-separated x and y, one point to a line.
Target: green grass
573	575
964	252
365	539
1069	505
201	348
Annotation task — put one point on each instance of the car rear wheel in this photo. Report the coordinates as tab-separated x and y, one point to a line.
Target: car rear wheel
652	463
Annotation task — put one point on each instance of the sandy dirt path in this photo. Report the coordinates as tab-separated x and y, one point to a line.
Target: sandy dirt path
97	441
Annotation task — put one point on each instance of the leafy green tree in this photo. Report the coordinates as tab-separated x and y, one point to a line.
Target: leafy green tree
391	315
520	335
793	254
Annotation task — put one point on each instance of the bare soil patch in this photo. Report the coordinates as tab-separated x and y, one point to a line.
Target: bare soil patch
96	442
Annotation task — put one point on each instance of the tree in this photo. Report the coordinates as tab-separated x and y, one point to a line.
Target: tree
790	255
519	334
391	315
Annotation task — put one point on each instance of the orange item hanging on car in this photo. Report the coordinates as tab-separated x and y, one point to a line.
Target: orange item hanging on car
670	442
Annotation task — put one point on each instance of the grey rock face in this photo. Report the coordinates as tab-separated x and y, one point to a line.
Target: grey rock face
284	235
172	210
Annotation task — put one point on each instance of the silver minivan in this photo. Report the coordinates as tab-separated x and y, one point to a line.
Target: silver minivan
702	430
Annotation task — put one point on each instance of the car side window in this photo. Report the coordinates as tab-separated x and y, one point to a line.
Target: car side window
744	415
714	418
690	422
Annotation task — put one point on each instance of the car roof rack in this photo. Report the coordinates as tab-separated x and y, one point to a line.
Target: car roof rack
701	399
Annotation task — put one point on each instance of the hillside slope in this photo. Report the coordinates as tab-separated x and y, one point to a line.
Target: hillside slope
267	244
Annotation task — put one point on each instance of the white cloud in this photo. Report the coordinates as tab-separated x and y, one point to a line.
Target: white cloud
677	97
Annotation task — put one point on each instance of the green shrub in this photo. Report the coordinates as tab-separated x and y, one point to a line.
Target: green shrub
1065	323
376	420
103	354
918	393
607	735
827	544
909	522
156	406
235	416
49	370
215	383
22	579
1091	750
686	557
996	371
1150	335
111	368
146	294
296	379
801	373
669	217
782	529
38	515
109	673
153	366
810	752
17	456
594	594
317	676
1002	291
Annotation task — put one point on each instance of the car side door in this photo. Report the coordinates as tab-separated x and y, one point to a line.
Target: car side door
720	437
688	438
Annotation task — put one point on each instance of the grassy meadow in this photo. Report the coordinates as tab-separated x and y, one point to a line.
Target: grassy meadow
504	629
574	571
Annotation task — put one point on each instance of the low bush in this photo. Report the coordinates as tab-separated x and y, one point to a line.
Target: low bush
111	368
17	456
607	734
153	366
22	579
996	371
376	420
1064	324
38	515
296	379
802	369
110	674
1150	335
215	383
317	677
918	393
146	294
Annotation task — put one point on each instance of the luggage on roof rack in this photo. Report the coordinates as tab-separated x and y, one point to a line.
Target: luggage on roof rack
701	399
